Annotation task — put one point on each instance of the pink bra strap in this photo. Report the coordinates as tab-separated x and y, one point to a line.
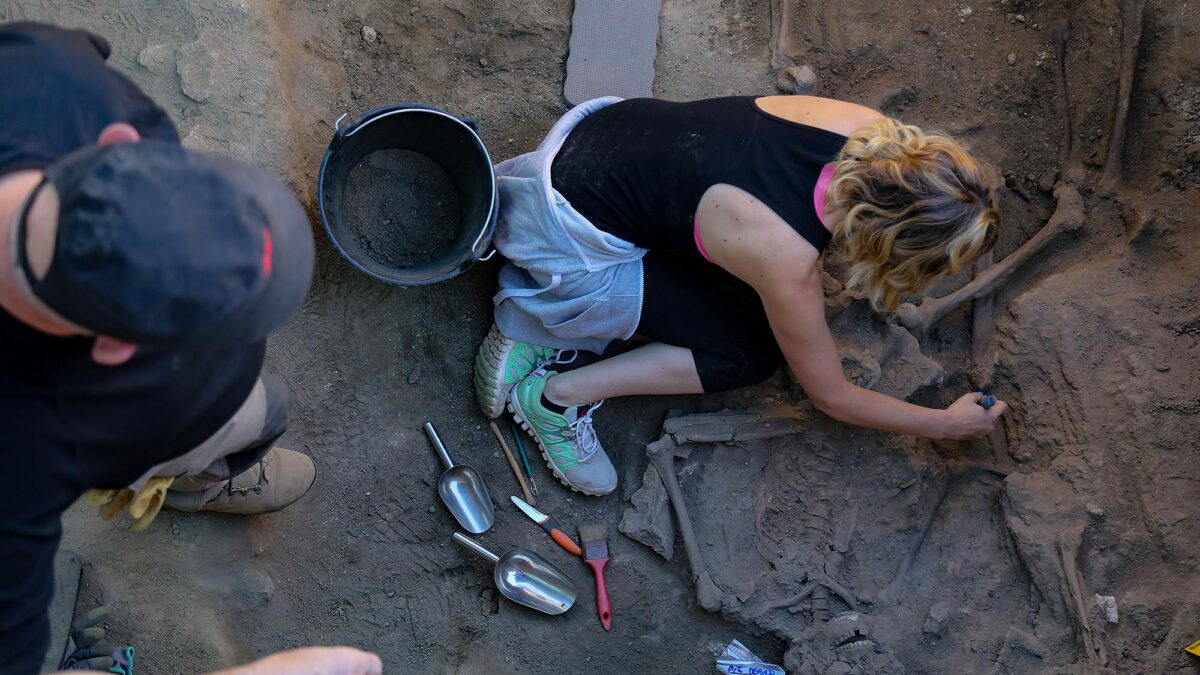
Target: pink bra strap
823	182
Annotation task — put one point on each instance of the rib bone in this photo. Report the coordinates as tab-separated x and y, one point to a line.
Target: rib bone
1067	217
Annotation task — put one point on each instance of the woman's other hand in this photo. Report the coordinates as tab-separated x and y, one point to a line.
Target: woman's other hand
966	420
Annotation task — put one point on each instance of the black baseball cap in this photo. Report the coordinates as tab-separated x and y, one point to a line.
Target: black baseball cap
158	244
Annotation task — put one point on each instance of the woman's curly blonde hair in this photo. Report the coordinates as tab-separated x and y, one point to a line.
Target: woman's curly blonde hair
915	207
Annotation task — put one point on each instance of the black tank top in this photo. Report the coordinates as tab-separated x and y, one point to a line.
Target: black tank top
638	168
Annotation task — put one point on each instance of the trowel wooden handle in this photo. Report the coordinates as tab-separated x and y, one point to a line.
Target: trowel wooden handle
602	606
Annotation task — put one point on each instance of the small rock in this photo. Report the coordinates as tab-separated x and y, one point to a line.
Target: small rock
1012	59
158	59
483	62
1076	174
1108	607
648	521
1020	18
861	367
1192	152
495	455
413	9
433	509
489	604
1047	181
796	79
252	589
1094	510
194	63
935	622
391	594
414	375
369	35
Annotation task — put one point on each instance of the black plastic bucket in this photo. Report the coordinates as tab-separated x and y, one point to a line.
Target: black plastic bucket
453	144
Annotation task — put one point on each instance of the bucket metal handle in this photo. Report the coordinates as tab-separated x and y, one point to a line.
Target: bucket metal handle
474	547
384	110
437	445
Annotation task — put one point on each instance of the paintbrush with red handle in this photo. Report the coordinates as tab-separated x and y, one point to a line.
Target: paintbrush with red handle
594	537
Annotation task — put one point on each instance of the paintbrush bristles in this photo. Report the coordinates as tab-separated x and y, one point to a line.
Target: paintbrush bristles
594	537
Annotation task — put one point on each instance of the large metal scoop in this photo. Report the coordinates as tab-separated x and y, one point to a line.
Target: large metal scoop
527	578
463	491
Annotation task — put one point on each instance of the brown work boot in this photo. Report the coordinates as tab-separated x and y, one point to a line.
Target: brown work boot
281	477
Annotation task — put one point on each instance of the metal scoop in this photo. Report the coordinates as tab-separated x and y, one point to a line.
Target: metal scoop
463	490
527	578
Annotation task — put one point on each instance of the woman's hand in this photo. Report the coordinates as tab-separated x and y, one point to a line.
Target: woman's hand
966	420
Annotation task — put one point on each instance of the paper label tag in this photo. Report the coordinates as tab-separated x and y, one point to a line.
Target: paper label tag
1193	648
738	660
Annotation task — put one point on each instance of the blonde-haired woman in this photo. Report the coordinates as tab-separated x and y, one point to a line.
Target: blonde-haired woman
699	226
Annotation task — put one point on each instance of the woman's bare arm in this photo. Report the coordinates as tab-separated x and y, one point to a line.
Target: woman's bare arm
747	239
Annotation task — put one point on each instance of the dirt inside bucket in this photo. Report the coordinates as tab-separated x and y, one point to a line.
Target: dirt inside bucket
402	208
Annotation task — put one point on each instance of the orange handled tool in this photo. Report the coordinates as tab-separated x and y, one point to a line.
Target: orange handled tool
550	526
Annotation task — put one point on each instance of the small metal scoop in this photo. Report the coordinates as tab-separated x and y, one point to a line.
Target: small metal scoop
527	578
463	490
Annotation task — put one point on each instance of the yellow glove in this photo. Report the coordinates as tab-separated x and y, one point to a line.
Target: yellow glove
143	505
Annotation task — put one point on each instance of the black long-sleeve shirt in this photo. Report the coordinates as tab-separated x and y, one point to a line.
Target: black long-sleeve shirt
66	423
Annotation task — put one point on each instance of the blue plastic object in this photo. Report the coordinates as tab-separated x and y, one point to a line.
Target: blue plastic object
122	660
986	400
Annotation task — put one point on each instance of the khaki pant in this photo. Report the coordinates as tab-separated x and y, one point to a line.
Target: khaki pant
236	446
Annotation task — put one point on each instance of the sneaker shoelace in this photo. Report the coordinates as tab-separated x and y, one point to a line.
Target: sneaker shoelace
584	433
559	357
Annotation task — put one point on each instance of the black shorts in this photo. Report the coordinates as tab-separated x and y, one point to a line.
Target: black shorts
690	302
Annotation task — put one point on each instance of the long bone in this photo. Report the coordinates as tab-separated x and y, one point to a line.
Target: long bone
1131	39
1062	31
1067	217
662	456
782	12
983	324
891	593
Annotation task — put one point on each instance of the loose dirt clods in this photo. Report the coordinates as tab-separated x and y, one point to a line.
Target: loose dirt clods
402	208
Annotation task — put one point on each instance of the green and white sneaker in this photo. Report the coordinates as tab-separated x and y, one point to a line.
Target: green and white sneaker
568	442
501	363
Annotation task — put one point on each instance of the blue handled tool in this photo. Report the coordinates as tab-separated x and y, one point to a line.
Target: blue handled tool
986	400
